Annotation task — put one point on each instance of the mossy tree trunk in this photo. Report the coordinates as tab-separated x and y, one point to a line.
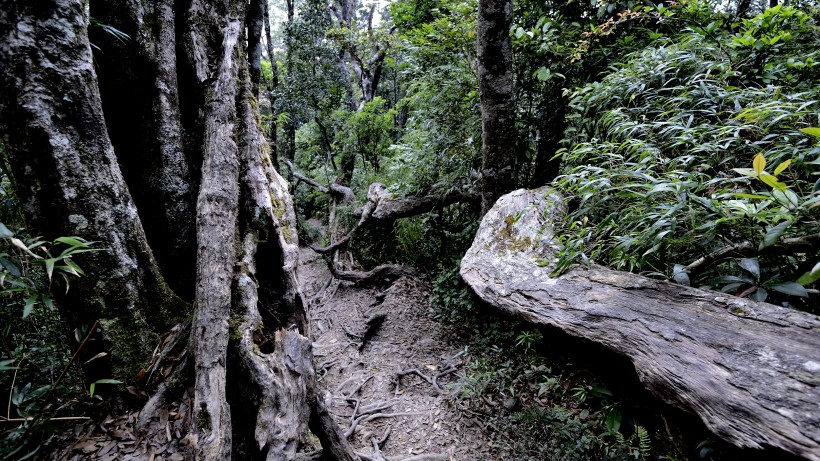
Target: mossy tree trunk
253	379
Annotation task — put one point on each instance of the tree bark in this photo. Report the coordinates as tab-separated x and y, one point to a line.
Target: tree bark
248	332
495	85
750	370
138	85
217	65
69	181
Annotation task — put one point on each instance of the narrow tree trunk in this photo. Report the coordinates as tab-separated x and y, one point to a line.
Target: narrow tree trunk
217	57
68	178
497	100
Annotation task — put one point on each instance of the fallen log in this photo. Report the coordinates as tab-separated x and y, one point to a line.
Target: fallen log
749	370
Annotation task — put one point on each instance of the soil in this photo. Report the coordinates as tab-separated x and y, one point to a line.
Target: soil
363	371
372	375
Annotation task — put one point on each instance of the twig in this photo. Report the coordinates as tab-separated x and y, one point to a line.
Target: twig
719	254
11	390
361	418
446	372
32	418
421	375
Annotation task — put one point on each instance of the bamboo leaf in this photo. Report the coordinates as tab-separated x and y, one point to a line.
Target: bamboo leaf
813	131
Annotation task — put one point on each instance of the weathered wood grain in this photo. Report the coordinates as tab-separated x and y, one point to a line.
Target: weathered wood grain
750	370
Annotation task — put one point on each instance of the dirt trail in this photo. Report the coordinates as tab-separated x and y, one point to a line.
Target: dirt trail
408	417
362	382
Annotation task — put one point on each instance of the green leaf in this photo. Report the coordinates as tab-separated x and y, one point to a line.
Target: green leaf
752	196
10	266
782	167
49	266
791	289
73	241
752	266
29	305
613	421
746	172
759	163
773	234
772	182
812	131
811	276
5	232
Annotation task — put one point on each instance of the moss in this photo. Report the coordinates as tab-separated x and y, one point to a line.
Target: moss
128	354
203	420
287	233
234	327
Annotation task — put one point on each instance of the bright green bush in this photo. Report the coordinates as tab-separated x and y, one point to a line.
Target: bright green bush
659	164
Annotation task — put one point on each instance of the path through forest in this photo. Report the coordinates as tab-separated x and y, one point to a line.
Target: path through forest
387	373
371	385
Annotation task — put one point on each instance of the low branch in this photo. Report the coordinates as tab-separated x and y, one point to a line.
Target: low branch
746	248
742	249
341	193
367	211
380	274
391	208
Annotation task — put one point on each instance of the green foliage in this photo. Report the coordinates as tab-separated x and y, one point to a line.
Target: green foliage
366	132
34	349
659	150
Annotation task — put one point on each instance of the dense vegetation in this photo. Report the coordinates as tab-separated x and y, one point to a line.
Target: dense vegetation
682	135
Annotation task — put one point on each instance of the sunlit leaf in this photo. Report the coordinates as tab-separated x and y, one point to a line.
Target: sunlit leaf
811	276
772	182
813	131
759	163
782	167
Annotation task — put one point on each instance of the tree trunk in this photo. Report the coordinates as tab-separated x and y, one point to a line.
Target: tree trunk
750	370
217	65
69	181
495	85
249	348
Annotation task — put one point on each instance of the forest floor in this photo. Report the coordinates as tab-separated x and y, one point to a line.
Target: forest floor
374	381
390	386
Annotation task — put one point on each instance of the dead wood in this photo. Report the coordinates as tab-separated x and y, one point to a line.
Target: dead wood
385	273
750	370
389	208
341	193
